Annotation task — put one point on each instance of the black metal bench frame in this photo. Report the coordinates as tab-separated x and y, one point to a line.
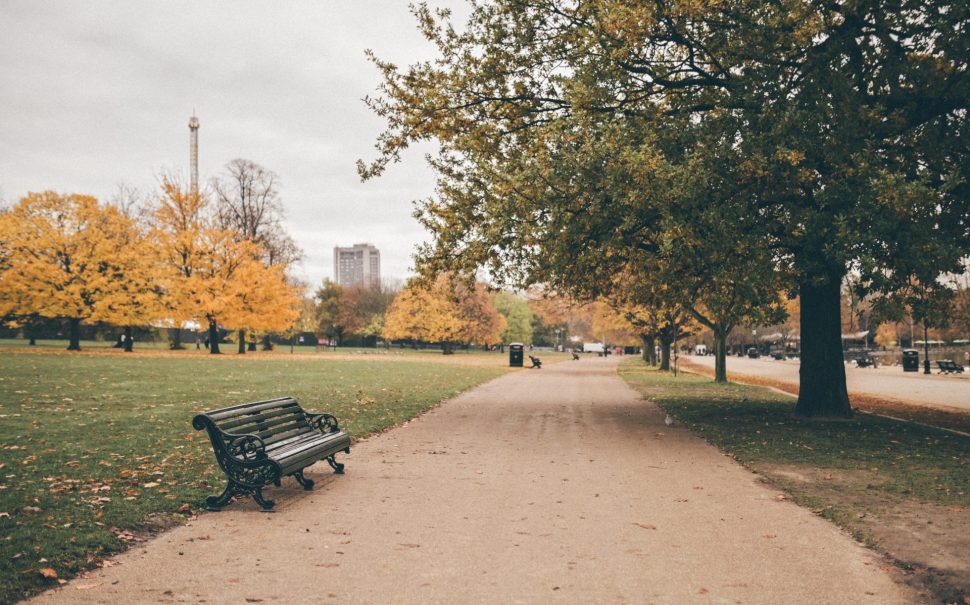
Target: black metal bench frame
949	367
536	362
259	443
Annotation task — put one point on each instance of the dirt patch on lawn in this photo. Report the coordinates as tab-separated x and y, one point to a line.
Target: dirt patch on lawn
929	542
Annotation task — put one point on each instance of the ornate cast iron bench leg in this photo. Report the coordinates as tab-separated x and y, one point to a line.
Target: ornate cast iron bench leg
337	466
306	483
215	503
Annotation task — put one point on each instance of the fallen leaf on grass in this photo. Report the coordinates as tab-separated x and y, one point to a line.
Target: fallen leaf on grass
646	525
48	572
150	484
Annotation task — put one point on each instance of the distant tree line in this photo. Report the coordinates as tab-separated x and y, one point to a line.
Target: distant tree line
174	259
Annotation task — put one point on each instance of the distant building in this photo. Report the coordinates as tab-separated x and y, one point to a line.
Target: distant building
359	264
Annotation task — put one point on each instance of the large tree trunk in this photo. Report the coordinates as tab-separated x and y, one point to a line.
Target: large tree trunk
242	342
176	337
821	390
267	343
649	349
665	342
720	354
129	341
213	337
447	348
74	334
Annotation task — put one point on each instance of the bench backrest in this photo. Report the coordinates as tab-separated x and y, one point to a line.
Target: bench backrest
272	421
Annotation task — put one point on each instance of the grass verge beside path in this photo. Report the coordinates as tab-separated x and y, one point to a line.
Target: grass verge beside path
899	487
97	448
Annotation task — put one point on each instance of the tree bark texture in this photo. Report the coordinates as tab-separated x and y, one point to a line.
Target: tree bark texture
74	334
720	354
242	342
213	337
129	342
822	391
665	342
649	349
176	338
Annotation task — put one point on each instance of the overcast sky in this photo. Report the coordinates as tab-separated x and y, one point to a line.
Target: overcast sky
94	94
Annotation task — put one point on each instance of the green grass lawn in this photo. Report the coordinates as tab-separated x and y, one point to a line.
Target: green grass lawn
94	446
757	426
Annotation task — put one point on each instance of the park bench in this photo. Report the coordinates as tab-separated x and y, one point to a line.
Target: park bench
536	362
949	367
865	362
575	356
259	443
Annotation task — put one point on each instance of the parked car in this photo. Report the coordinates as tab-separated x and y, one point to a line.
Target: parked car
754	353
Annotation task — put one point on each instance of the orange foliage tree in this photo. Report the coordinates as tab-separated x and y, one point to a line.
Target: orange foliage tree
447	312
67	256
214	277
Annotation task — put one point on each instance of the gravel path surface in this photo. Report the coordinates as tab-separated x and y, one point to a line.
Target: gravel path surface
557	485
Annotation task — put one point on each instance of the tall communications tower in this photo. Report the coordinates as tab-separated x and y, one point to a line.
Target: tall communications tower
194	152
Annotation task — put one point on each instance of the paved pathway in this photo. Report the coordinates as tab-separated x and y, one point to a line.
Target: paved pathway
886	382
545	486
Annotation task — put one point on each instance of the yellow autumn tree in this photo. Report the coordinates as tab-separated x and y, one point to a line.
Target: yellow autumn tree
178	223
231	287
446	312
67	256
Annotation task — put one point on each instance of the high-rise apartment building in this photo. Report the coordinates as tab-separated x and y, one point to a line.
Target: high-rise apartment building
359	264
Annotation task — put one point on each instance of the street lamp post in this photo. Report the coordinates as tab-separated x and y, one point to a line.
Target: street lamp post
926	348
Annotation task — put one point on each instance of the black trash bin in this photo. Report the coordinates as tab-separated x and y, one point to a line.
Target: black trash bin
910	360
515	354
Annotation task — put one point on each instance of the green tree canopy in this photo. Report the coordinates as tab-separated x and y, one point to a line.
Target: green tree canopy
568	131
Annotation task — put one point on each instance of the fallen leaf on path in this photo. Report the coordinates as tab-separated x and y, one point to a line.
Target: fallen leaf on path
702	591
645	525
410	545
328	565
780	497
770	536
88	586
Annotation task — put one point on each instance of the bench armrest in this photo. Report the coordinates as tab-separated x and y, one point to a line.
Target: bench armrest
238	446
325	423
245	447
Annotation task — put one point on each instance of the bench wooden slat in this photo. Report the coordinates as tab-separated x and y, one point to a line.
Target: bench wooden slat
246	408
243	419
278	424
